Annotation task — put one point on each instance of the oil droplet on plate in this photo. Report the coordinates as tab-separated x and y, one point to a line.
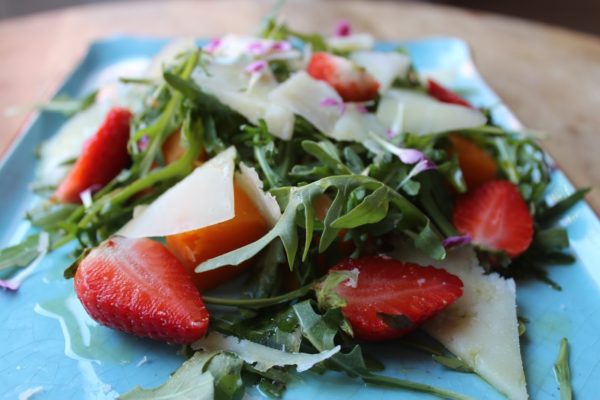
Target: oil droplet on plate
84	338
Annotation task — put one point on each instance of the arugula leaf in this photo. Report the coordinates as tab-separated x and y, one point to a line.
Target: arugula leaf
453	363
562	371
327	297
415	224
266	277
372	209
226	370
552	213
22	254
320	331
261	357
189	382
68	106
326	153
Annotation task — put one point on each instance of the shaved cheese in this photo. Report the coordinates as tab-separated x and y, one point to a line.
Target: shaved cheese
303	95
231	48
481	327
355	125
384	66
423	114
203	198
234	88
262	357
359	41
250	183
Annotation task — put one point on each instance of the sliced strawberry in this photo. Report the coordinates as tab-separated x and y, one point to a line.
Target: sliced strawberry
392	297
103	157
496	217
137	286
445	95
352	82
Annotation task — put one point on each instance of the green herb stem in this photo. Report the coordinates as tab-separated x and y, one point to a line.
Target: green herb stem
260	303
562	371
381	380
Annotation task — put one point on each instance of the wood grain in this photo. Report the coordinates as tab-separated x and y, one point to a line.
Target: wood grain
549	76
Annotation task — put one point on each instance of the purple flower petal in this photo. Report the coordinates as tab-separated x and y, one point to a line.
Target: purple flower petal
8	284
410	156
343	28
257	48
281	46
361	108
213	45
331	102
454	241
143	143
391	133
256	67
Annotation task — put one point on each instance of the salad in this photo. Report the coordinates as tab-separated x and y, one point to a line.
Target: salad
341	196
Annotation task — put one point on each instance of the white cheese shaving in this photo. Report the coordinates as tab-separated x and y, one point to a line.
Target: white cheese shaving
203	198
250	97
384	66
232	48
355	125
423	114
263	357
358	41
305	96
250	183
481	327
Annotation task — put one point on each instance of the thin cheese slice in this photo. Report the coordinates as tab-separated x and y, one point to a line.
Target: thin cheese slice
229	83
203	198
250	183
313	100
356	125
384	66
480	327
423	114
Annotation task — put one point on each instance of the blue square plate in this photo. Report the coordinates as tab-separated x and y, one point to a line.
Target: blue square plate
49	343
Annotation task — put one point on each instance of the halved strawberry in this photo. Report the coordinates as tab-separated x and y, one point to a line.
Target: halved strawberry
103	157
392	297
137	286
496	217
445	95
352	82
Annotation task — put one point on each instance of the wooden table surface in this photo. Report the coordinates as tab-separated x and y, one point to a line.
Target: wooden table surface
549	76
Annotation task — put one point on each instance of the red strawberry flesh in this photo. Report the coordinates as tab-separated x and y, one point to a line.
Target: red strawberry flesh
137	286
392	287
351	82
496	217
445	95
104	155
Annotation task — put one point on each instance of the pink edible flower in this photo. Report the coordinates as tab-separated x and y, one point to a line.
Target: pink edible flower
343	28
410	156
453	241
361	108
331	102
281	46
256	67
257	48
213	45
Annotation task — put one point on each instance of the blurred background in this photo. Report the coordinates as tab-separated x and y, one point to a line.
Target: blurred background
582	15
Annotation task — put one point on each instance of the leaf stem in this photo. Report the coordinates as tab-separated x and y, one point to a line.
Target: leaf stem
404	384
260	303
